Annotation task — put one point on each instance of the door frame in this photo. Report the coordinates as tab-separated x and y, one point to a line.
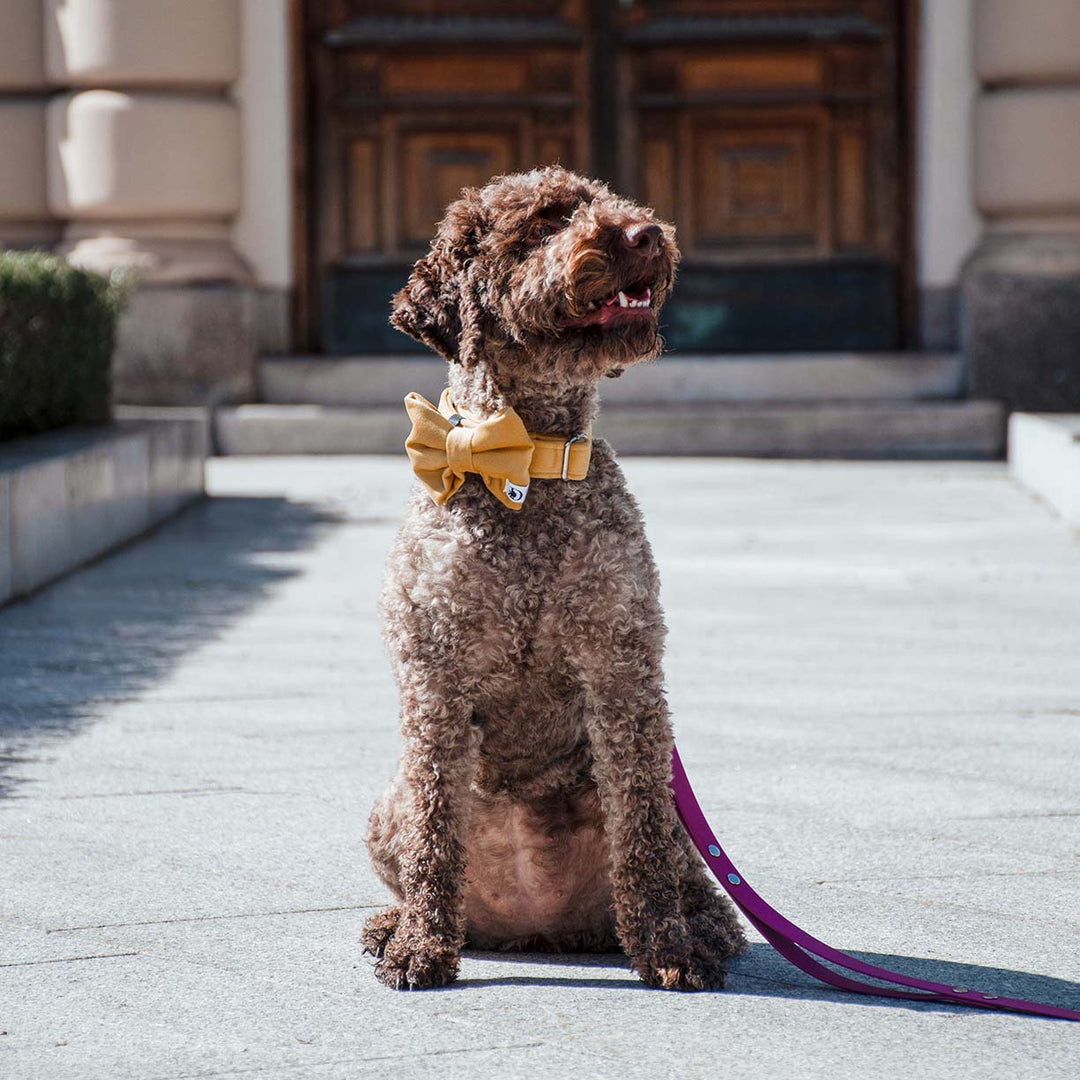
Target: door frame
306	305
304	311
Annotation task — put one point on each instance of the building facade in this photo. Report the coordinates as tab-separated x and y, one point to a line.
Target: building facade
846	175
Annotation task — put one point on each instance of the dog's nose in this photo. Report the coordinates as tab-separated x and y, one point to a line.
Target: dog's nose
644	237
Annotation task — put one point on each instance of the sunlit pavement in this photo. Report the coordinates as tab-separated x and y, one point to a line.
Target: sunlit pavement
874	675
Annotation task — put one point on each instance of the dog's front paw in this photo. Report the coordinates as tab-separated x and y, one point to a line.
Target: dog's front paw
420	968
378	930
693	968
408	958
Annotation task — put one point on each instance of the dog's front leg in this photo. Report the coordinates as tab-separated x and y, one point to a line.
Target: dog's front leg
437	766
631	744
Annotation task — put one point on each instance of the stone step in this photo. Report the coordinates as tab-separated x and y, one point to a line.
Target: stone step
962	429
676	379
1044	456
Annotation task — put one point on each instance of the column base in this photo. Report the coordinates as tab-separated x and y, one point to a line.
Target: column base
186	345
159	254
1021	321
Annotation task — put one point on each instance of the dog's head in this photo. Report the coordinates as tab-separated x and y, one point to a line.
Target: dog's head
546	274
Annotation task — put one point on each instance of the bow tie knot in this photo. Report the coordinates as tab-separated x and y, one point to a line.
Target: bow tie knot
459	450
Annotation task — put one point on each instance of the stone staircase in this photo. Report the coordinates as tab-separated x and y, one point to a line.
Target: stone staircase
866	405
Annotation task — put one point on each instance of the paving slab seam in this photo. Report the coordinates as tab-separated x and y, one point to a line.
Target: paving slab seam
212	918
970	875
923	830
1066	923
129	794
171	959
348	1061
66	959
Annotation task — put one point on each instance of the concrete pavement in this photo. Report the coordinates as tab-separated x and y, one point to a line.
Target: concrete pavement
874	677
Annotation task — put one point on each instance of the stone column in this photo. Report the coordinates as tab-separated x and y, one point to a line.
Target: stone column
143	158
1022	284
25	219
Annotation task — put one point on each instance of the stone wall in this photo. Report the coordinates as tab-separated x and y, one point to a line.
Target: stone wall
1022	283
25	217
122	146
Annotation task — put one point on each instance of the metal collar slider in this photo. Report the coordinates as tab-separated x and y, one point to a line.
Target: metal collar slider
566	451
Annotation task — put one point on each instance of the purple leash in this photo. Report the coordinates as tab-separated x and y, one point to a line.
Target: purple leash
796	944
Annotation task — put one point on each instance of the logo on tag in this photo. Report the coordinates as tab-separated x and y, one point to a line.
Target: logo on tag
515	492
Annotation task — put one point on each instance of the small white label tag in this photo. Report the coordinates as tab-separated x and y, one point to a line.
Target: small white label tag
515	492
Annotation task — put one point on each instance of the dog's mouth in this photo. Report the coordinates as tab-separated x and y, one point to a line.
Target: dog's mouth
631	301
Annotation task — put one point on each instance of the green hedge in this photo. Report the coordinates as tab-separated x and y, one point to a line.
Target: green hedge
57	328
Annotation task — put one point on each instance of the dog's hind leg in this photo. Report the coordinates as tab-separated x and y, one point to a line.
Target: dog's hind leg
386	826
383	842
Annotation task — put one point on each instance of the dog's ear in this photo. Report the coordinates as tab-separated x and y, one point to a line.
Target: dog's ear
439	305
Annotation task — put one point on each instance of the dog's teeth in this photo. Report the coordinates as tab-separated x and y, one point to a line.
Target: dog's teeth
623	302
592	305
648	295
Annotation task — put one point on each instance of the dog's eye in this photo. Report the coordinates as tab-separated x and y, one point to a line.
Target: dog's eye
541	230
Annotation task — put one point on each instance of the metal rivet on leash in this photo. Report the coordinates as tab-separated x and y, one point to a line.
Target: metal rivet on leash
734	879
990	997
714	851
960	990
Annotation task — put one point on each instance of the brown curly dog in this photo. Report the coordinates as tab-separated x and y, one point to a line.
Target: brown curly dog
531	808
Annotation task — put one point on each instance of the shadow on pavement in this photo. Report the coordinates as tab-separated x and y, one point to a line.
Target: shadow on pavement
104	634
763	972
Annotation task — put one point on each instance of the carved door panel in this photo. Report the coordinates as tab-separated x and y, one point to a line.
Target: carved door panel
415	100
767	130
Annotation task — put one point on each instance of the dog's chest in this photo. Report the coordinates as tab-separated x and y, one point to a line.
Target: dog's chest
522	573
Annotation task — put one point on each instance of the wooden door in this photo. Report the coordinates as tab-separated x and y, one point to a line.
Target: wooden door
767	130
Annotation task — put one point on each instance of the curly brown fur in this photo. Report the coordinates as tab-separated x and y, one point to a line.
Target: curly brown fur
531	806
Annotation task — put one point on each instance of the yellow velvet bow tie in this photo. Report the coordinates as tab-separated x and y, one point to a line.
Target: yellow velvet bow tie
444	445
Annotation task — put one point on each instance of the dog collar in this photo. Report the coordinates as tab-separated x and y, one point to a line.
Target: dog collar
445	444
